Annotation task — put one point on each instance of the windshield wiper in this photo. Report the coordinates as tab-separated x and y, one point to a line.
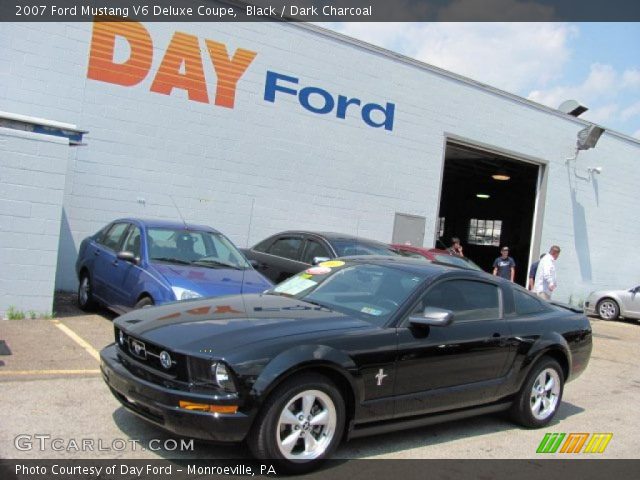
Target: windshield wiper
317	304
171	260
216	263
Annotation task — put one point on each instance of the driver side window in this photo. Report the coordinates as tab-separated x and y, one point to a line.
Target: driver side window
469	300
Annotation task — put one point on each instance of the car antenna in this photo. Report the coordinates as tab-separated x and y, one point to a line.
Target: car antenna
179	212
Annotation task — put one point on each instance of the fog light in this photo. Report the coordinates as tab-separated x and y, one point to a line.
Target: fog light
121	338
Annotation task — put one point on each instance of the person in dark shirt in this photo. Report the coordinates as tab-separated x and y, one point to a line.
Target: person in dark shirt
532	273
504	266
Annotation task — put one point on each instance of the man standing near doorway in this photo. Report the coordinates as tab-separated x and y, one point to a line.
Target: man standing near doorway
504	266
545	282
456	247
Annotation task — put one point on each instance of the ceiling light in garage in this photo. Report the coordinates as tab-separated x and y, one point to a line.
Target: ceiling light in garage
501	175
482	195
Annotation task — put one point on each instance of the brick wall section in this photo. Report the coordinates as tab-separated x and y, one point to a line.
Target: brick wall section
296	169
32	178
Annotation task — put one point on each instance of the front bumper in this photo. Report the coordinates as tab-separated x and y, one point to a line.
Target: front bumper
159	405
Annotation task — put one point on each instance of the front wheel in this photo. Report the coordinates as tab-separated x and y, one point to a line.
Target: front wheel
85	293
539	399
608	309
144	302
300	424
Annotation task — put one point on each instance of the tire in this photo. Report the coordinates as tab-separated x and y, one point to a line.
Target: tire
608	309
284	430
144	302
86	301
545	381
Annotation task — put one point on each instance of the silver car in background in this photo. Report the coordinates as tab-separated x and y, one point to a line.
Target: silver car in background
611	304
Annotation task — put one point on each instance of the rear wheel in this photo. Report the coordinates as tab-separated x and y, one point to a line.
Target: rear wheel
85	293
300	424
539	399
144	302
608	309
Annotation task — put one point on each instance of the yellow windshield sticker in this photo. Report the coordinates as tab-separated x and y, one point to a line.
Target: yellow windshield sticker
332	263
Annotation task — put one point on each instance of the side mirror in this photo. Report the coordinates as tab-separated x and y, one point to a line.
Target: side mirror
254	263
432	317
128	257
317	260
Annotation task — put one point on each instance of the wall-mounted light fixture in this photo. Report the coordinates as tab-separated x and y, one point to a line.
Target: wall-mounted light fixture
482	195
597	170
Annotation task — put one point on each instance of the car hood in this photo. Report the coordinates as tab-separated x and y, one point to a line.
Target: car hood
212	282
222	324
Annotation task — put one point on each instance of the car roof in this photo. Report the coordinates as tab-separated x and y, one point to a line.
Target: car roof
427	268
408	264
157	223
413	248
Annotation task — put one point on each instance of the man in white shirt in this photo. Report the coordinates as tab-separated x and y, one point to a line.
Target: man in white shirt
545	282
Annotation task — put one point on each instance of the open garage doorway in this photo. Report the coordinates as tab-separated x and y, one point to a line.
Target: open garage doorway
488	200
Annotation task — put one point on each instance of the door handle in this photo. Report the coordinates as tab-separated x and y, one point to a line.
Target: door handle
115	263
96	252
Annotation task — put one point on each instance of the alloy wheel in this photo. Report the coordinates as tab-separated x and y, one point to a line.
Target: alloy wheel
607	309
545	394
84	291
306	426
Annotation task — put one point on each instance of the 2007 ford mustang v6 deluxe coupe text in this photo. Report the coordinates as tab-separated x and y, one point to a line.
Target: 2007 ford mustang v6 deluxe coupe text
346	348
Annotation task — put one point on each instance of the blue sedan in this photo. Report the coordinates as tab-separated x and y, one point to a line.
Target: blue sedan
132	263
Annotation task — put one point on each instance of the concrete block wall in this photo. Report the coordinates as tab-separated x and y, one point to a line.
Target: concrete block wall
32	177
263	167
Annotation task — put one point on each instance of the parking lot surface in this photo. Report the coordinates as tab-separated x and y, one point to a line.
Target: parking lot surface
53	399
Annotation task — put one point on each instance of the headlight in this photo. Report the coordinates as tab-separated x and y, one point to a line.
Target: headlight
222	377
204	373
184	294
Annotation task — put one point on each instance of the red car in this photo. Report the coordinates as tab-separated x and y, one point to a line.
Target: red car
435	255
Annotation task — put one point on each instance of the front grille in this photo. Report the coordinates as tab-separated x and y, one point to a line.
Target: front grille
148	354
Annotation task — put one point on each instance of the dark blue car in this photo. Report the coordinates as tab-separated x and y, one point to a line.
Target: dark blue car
133	263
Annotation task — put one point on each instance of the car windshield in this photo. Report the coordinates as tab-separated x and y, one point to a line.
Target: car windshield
193	247
350	247
370	292
456	261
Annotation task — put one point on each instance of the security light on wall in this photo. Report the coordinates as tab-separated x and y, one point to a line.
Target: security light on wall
588	137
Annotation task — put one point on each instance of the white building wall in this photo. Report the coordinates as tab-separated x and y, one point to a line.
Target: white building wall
264	167
32	178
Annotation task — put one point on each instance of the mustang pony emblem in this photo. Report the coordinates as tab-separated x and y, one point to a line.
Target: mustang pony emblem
380	376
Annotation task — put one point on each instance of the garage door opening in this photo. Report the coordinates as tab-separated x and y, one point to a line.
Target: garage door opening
487	201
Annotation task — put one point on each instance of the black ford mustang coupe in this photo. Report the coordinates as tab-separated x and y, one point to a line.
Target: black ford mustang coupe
345	349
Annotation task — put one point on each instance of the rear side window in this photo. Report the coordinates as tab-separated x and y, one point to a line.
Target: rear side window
287	247
113	238
527	304
468	300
